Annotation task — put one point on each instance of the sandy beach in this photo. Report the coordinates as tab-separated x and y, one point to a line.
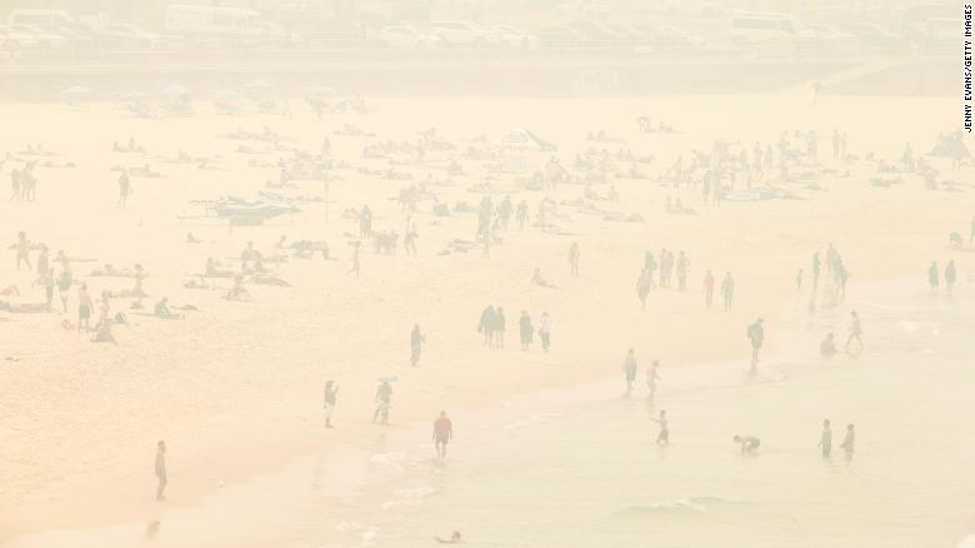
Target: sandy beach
235	388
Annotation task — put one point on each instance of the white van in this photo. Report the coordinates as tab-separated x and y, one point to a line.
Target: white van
216	22
765	27
41	18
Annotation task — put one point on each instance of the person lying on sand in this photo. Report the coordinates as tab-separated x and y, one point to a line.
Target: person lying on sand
539	281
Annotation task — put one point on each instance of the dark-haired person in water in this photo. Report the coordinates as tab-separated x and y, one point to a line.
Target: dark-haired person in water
748	443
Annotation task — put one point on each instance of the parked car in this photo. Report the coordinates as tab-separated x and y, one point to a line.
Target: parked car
562	37
402	36
872	36
41	38
463	33
17	39
513	37
129	36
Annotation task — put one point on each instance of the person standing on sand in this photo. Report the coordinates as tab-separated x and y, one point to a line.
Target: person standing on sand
756	334
815	270
799	281
855	331
331	398
683	266
525	330
933	275
356	248
643	285
384	395
522	214
708	289
416	342
652	379
950	276
727	291
545	330
23	250
630	367
663	437
443	432
849	440
124	189
161	476
499	326
84	308
826	440
574	258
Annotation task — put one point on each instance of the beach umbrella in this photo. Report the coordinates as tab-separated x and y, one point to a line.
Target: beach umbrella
175	91
257	84
388	378
76	93
951	146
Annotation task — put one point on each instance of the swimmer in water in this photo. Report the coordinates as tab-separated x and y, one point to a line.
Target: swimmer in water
749	444
849	441
663	438
454	538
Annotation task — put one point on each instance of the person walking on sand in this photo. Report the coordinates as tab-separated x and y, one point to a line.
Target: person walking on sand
663	437
443	433
545	330
630	368
950	276
826	440
756	334
384	395
331	398
708	289
727	291
526	331
416	343
652	379
855	331
161	476
574	258
849	441
933	276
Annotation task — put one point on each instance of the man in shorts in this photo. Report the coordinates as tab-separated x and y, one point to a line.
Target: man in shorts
443	432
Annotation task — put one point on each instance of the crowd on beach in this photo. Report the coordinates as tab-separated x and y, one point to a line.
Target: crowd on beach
788	167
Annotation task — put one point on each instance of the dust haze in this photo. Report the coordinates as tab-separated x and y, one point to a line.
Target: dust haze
499	273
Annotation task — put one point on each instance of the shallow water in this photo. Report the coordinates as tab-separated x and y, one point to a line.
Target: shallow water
580	468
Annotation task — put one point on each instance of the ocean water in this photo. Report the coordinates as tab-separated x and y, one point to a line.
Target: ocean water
580	468
587	472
